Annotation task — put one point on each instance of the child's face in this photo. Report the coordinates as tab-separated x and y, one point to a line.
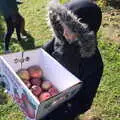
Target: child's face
69	35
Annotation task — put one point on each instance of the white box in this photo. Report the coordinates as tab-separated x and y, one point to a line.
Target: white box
67	84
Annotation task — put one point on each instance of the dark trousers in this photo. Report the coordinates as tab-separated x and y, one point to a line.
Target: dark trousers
10	29
17	24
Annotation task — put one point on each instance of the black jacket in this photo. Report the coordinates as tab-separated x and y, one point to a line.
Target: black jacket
82	57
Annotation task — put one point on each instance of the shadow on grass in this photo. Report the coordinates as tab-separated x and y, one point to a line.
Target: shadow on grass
25	44
28	43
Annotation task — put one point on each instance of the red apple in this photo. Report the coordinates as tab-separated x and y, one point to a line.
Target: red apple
46	85
44	96
35	71
53	91
35	81
36	90
23	74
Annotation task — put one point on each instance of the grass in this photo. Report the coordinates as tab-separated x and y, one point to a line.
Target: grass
107	101
106	104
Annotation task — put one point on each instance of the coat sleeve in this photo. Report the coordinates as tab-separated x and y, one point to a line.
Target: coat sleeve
49	46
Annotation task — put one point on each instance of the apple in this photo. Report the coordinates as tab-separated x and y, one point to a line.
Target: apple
44	96
53	91
46	85
35	81
35	71
36	90
23	74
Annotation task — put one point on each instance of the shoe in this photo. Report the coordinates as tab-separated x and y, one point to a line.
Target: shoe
19	2
23	36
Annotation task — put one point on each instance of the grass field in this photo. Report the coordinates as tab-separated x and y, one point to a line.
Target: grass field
107	101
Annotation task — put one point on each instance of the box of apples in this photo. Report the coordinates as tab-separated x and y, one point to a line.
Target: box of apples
34	80
37	82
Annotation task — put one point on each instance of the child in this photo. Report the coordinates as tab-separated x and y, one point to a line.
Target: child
75	27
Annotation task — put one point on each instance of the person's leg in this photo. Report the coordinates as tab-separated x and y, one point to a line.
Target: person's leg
17	26
22	23
10	30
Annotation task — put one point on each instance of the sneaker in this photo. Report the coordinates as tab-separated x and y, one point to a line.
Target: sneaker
19	1
23	36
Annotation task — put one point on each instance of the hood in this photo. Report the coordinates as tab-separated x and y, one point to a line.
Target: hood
89	12
58	15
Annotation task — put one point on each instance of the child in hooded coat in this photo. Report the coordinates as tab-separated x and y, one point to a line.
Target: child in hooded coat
74	45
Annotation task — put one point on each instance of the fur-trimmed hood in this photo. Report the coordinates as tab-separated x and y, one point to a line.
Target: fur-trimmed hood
58	15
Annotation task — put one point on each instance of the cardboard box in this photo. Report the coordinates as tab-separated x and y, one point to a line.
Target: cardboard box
67	84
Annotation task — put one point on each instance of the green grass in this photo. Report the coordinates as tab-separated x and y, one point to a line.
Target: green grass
107	101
